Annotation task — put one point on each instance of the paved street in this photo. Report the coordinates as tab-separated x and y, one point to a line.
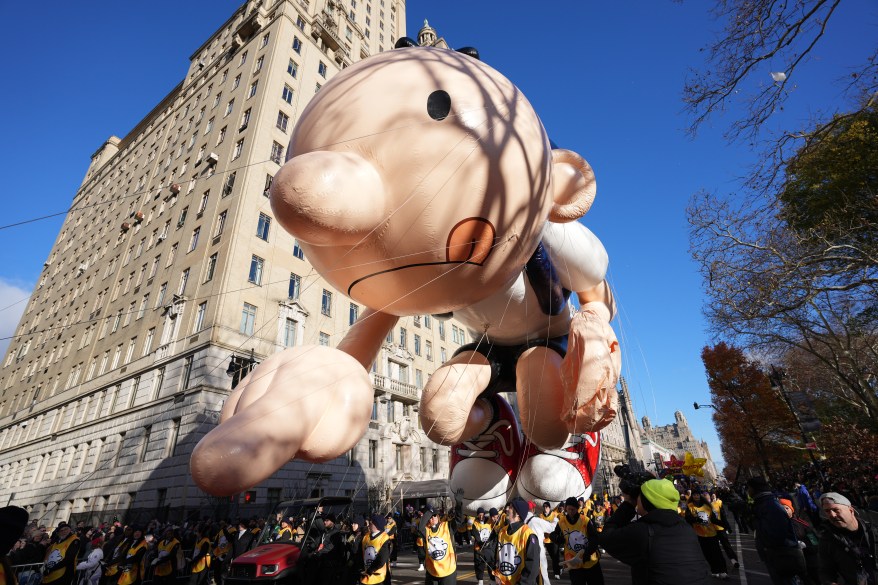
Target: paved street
751	572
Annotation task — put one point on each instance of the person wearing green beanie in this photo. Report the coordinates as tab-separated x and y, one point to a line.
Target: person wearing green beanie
660	546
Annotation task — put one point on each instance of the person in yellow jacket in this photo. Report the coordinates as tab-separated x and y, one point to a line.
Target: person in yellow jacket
518	548
376	552
441	560
581	553
164	566
200	563
700	516
391	529
723	529
132	568
419	540
59	567
480	533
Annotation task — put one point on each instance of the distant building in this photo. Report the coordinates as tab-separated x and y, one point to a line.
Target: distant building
677	438
620	444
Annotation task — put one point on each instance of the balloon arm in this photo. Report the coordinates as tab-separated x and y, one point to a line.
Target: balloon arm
364	338
600	293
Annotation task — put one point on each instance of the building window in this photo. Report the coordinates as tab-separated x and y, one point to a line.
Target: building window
252	91
248	319
417	344
265	40
229	107
230	180
297	45
211	267
326	303
435	460
442	330
297	250
353	314
239	147
300	22
293	69
403	338
316	88
443	356
220	224
324	339
428	322
416	320
373	453
173	435
245	119
256	266
263	227
202	205
289	333
419	379
277	153
295	286
287	94
243	58
282	121
193	241
221	136
184	278
147	343
199	317
428	349
321	69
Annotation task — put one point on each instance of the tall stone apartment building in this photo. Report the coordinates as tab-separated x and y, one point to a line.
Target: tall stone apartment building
678	439
169	275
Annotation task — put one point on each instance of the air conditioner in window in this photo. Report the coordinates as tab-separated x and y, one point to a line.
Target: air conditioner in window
160	239
175	188
212	158
125	226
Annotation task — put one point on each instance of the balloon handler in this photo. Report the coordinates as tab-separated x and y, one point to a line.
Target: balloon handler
421	181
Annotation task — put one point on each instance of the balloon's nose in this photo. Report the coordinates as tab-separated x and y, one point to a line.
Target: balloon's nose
329	198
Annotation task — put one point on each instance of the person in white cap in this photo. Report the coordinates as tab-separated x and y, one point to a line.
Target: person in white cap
847	544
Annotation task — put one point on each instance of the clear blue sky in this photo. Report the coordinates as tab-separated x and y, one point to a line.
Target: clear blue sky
605	77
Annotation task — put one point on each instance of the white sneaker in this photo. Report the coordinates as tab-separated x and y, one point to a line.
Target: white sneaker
420	567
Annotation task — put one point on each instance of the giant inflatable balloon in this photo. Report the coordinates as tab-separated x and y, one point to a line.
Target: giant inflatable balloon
421	181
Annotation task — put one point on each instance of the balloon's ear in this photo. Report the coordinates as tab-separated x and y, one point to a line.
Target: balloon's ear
573	186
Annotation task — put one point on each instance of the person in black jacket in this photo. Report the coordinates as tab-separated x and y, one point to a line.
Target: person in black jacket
847	543
660	547
330	554
242	540
776	541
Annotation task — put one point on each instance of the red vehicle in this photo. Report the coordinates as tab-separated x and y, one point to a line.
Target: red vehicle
286	561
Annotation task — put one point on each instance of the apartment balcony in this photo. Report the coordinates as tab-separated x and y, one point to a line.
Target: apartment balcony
402	391
326	29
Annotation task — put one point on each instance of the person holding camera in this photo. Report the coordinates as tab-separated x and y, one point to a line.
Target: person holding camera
660	547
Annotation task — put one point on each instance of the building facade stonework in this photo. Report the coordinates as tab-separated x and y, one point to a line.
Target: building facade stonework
169	271
677	438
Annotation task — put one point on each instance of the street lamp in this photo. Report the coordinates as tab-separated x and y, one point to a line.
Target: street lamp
697	406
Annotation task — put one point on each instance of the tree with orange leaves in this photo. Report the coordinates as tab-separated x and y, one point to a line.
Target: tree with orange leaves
755	426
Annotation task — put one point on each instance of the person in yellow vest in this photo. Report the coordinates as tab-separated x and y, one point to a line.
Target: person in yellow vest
285	534
132	568
581	554
723	529
551	541
164	566
419	541
13	521
376	547
700	516
200	564
441	560
480	533
114	555
518	548
60	564
222	551
390	529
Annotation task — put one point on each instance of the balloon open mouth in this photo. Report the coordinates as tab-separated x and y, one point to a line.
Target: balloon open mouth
471	241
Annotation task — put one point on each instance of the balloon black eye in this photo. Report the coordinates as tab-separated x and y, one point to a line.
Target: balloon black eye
439	104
